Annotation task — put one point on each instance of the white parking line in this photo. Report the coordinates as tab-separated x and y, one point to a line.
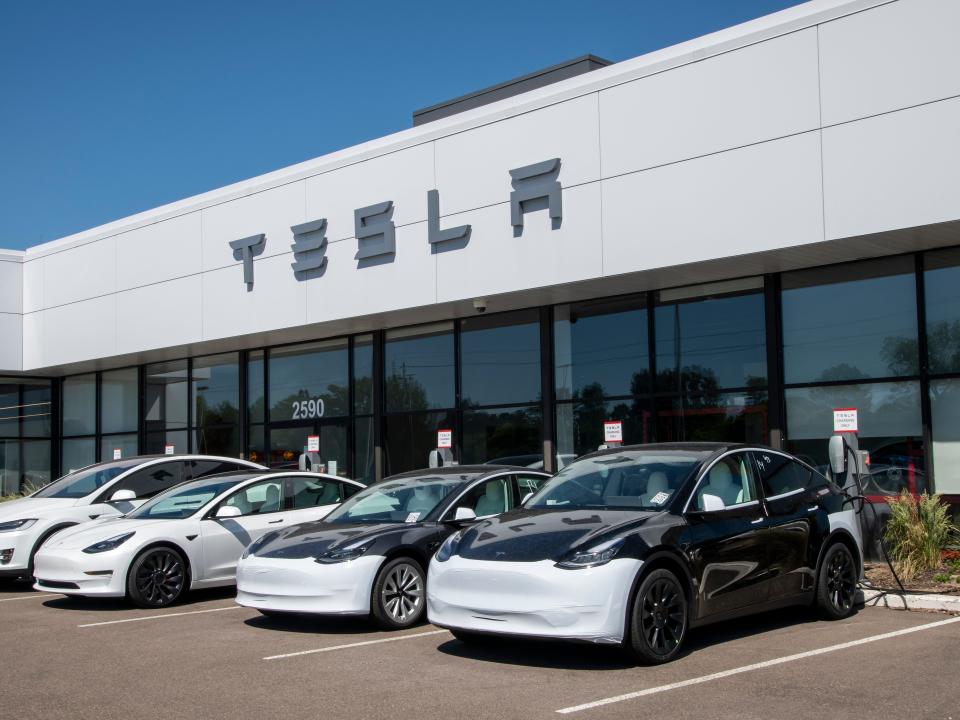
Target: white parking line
158	617
356	644
754	666
35	596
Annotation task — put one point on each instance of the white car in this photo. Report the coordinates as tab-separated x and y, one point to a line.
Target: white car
189	537
108	489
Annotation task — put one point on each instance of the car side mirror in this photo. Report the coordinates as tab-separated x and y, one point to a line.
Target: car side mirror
464	514
123	495
228	511
526	497
712	503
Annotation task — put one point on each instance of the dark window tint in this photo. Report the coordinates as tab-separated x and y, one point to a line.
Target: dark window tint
503	436
500	359
308	382
151	480
350	490
781	475
942	288
530	483
313	492
411	437
200	468
418	368
488	498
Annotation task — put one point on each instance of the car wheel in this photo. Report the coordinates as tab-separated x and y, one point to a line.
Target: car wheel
398	594
157	578
837	584
658	618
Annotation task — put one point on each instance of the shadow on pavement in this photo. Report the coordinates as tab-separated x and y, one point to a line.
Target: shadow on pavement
11	586
315	625
188	602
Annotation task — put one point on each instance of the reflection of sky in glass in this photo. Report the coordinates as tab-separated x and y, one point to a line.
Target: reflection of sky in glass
603	349
724	336
942	289
305	374
839	331
884	409
501	364
216	384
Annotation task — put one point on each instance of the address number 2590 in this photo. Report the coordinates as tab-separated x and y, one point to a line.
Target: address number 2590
305	409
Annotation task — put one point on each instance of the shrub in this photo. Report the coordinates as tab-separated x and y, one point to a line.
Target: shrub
941	578
916	532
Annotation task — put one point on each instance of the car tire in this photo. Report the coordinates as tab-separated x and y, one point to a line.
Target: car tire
837	583
658	619
157	578
399	594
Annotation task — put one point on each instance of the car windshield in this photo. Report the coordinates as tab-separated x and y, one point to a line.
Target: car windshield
85	481
402	500
183	500
630	479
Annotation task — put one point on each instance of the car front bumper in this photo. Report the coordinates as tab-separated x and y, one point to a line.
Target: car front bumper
534	599
16	546
306	586
74	572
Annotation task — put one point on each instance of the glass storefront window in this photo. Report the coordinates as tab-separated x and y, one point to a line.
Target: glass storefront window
25	412
36	465
255	397
79	405
223	440
216	390
118	400
126	444
850	322
257	446
364	463
411	436
310	381
580	424
942	291
890	429
945	420
287	444
78	453
600	348
363	375
506	436
500	359
166	396
418	368
719	417
711	343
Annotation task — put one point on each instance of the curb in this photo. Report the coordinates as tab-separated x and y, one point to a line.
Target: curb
896	601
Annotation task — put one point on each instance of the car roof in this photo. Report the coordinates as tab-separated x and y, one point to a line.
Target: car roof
476	470
707	448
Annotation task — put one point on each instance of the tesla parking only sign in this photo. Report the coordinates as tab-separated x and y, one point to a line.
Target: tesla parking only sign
313	443
444	439
845	420
613	431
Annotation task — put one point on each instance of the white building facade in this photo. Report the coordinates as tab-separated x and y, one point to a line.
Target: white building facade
725	239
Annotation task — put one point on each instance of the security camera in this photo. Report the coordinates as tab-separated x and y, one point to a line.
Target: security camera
480	305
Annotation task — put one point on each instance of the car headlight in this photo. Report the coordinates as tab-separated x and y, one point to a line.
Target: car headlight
340	555
259	543
17	525
592	557
108	544
449	547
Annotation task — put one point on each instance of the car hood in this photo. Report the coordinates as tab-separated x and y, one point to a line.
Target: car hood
316	538
88	533
29	507
547	534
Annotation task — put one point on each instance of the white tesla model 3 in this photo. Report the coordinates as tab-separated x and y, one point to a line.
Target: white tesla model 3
188	537
108	489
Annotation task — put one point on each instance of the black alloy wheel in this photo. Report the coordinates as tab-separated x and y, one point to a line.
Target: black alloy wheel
157	578
399	597
658	618
837	584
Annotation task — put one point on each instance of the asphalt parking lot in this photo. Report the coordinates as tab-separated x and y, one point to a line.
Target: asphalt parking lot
76	658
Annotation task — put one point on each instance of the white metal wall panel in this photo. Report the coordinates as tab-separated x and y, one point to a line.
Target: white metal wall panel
160	315
80	273
11	349
742	201
33	285
892	171
11	287
162	251
764	91
473	167
893	56
80	331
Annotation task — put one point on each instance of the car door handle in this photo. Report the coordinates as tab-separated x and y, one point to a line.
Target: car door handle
757	521
813	508
274	522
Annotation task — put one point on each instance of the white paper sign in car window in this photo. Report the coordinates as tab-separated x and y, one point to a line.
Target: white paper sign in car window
412	517
660	498
845	420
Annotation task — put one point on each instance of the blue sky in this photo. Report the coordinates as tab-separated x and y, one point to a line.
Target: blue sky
110	108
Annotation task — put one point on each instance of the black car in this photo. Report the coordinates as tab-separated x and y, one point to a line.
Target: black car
635	545
369	556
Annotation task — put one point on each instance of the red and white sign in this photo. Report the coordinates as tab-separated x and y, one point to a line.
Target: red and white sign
313	443
845	420
444	439
168	449
117	454
612	431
